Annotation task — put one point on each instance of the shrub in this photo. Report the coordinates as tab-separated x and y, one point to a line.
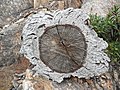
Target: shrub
108	28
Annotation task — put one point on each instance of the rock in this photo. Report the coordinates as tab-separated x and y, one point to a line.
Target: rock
35	83
96	61
10	43
21	65
7	74
5	79
42	84
118	1
98	7
57	4
11	9
96	83
29	74
11	60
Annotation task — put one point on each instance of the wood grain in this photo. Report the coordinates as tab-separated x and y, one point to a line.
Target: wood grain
63	48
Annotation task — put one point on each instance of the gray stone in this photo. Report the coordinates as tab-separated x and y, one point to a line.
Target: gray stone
10	43
11	9
98	7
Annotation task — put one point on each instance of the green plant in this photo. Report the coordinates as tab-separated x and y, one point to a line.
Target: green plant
108	28
114	51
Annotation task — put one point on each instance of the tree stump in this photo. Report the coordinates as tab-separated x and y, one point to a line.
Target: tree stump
61	45
63	48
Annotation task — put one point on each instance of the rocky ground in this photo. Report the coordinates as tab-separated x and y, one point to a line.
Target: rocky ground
15	68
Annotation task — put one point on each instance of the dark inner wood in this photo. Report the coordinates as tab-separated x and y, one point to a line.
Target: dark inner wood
63	48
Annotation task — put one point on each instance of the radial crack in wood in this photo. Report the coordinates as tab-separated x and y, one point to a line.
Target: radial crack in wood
67	58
